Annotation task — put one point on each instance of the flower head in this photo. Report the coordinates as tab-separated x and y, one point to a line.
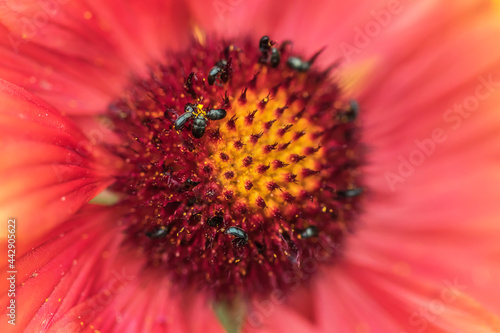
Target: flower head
178	166
235	166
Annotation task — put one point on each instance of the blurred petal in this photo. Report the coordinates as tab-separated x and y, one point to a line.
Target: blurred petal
58	274
78	55
48	169
60	291
374	300
441	211
425	257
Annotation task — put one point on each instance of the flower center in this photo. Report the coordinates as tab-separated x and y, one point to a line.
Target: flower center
241	166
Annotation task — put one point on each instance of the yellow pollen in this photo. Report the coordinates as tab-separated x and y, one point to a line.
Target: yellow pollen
232	172
199	110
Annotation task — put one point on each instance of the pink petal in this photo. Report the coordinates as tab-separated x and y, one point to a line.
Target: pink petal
272	315
48	168
79	55
429	58
85	279
59	273
440	220
382	301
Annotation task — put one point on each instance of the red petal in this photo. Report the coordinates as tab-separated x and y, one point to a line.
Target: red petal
140	302
47	171
58	274
382	301
78	55
284	312
440	218
86	279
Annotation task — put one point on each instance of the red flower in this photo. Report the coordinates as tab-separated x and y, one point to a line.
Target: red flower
240	181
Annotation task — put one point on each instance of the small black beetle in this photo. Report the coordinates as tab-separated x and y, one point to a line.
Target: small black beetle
350	193
218	72
181	121
241	237
275	57
216	114
158	233
309	232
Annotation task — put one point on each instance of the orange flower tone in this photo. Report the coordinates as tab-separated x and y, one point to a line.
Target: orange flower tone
258	166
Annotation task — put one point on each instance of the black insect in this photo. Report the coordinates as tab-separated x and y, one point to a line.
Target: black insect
215	221
309	232
265	44
200	122
269	53
216	114
213	74
181	121
219	71
353	111
199	125
275	57
350	193
300	65
240	236
158	233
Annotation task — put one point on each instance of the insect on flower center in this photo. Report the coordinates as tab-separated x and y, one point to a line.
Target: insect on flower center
241	164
